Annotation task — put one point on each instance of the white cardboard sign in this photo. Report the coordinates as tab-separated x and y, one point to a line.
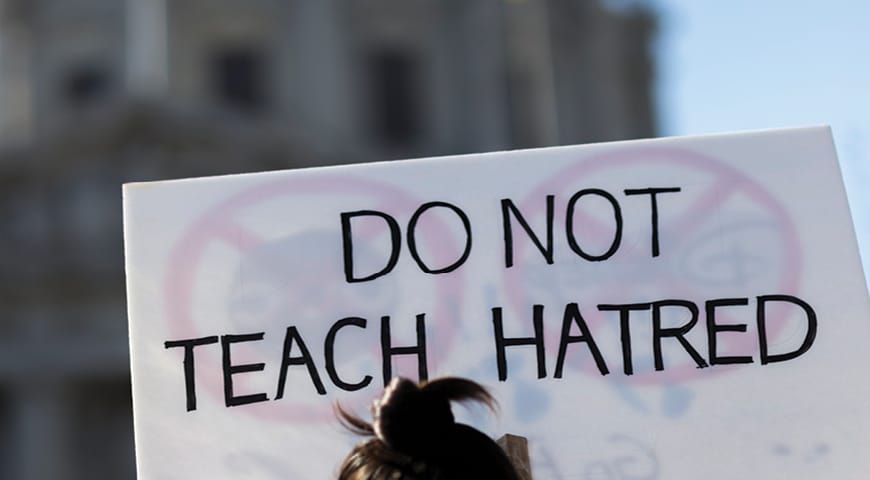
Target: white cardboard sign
674	308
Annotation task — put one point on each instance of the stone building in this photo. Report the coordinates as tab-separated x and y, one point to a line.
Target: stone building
94	93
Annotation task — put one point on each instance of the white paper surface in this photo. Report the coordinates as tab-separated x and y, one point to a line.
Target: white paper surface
759	214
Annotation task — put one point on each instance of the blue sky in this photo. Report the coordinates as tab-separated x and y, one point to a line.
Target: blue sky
743	64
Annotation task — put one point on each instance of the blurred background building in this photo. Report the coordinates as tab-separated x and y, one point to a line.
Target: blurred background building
95	93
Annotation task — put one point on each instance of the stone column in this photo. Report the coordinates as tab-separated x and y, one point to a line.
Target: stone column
147	50
16	72
40	432
532	90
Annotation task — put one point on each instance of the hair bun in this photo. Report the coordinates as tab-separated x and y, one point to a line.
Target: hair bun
418	438
410	419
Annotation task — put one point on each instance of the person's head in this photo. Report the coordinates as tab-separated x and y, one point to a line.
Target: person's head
415	437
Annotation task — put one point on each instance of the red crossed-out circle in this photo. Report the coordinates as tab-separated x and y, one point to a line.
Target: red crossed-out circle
220	225
725	183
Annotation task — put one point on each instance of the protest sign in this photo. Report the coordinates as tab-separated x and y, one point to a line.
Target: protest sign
672	308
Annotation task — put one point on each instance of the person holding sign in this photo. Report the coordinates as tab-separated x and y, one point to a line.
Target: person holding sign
417	438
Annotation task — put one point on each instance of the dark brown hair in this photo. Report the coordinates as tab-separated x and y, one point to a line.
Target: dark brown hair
415	436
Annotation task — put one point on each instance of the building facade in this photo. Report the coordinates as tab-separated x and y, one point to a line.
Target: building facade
94	93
